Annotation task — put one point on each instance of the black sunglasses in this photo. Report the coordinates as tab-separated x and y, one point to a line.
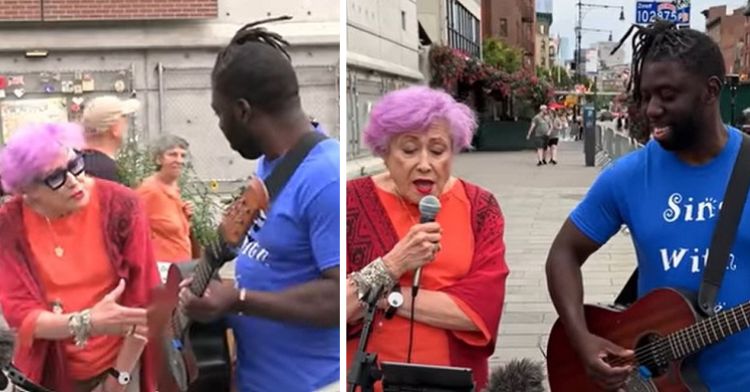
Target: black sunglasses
57	178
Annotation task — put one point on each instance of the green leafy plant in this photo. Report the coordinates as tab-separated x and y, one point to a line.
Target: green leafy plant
135	164
502	56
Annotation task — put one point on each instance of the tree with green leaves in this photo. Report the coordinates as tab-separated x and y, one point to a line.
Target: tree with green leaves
501	55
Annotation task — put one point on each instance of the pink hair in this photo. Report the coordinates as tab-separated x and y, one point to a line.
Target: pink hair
31	150
415	109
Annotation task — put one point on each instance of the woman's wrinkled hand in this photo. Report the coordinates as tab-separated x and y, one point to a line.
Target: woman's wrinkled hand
418	247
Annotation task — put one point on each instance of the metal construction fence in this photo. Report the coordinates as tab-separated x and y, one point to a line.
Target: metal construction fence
611	144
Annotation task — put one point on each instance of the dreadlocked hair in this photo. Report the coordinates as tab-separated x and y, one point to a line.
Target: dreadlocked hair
255	66
662	40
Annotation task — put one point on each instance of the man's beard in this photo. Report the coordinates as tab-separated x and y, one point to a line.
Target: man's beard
682	136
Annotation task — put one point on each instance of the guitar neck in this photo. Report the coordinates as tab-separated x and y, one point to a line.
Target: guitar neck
709	331
212	260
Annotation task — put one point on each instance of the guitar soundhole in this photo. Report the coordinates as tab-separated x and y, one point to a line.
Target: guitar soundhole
652	356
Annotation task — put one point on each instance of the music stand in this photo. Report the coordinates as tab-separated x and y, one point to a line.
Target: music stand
406	377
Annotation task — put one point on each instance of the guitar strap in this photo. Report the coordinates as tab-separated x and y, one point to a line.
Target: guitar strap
721	242
278	178
726	229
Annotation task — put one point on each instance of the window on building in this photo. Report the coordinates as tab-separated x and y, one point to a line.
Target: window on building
503	27
463	28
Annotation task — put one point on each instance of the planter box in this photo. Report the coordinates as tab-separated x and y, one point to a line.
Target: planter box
503	136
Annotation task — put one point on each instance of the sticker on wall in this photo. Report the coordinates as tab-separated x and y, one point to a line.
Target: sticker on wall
75	106
56	76
66	86
3	82
48	88
78	75
77	89
19	92
15	81
2	94
88	82
120	86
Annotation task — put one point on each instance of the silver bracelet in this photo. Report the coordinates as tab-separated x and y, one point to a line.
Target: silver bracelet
371	276
79	324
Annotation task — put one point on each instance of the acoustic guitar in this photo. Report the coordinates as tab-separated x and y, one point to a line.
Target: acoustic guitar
168	317
662	328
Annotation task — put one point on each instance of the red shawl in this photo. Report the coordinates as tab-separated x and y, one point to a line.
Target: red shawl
370	234
128	244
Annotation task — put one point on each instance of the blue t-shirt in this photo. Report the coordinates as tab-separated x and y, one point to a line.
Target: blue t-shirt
291	245
671	209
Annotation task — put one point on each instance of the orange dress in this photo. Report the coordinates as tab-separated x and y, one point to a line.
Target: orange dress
77	280
170	227
390	338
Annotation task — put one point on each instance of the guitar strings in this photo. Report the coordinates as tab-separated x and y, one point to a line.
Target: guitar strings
683	338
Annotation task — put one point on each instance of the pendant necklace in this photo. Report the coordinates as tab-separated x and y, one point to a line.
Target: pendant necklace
59	251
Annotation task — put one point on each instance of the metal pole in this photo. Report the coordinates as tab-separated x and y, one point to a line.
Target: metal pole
732	94
579	74
160	73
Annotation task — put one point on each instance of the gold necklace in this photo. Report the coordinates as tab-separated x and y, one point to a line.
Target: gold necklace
59	251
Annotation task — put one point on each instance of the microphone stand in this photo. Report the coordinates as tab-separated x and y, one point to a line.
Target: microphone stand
20	381
365	371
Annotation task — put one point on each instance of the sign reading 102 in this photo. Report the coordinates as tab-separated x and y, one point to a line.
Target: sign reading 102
676	11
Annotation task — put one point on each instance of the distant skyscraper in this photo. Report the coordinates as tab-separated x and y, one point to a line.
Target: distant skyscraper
604	49
544	6
565	51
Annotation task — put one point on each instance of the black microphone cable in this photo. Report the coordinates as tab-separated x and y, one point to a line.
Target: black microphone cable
411	324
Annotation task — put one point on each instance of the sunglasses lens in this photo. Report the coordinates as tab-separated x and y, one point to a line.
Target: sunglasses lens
76	166
56	179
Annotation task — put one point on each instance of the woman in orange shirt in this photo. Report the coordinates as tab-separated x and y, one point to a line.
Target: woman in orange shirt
417	131
168	214
76	261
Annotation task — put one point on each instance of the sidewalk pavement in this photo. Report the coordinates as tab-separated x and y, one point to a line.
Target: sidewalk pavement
536	201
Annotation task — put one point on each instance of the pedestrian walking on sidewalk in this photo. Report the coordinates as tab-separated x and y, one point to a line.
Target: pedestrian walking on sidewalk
540	127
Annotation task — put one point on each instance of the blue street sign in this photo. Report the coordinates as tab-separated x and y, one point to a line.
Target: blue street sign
676	11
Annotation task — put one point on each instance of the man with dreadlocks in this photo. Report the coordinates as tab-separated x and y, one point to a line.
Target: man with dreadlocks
285	309
668	194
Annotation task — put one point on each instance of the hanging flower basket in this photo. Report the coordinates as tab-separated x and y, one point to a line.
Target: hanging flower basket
452	68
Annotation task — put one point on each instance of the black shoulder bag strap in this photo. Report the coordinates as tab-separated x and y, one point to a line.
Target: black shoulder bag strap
726	229
722	240
278	178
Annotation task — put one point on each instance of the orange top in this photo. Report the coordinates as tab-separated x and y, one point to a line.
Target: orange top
390	338
170	228
77	280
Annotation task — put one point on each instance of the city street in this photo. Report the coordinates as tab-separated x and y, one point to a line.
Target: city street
535	202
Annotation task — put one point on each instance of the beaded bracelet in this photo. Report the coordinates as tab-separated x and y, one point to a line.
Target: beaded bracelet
79	324
371	276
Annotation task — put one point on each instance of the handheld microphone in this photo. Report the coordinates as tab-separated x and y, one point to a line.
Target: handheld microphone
429	207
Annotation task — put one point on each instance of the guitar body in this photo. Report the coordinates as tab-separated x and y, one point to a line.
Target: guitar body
178	358
657	314
204	360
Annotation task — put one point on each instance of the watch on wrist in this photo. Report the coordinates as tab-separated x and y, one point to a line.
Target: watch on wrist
123	378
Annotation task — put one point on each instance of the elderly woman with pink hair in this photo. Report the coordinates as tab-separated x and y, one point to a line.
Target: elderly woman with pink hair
418	131
77	265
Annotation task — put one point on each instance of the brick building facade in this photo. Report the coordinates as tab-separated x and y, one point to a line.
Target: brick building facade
728	30
100	10
512	21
